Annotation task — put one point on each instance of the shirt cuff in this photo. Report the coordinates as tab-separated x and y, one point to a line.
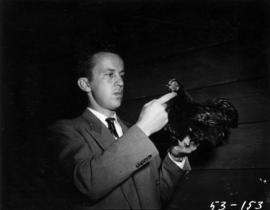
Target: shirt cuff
181	163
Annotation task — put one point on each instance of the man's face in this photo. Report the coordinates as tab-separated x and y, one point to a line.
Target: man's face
107	83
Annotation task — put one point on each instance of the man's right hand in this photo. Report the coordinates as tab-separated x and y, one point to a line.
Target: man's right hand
153	116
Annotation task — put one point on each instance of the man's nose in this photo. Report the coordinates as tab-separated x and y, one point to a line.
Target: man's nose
119	81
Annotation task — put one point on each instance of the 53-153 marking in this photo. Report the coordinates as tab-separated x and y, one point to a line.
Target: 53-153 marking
245	205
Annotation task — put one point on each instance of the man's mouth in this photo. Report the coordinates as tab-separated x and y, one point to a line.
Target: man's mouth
118	93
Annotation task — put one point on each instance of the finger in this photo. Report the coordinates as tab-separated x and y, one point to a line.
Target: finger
193	148
163	99
182	150
181	143
186	141
194	144
190	149
150	102
186	148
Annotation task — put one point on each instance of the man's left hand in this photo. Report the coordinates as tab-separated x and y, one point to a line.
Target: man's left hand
183	148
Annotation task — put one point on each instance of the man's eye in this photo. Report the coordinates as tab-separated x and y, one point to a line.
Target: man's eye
110	74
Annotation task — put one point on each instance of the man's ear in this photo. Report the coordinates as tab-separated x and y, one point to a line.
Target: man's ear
84	84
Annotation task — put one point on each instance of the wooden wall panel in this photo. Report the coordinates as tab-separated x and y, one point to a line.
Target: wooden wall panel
199	69
233	73
231	90
248	147
249	97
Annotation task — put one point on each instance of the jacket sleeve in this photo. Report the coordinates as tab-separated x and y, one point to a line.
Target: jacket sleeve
96	174
170	175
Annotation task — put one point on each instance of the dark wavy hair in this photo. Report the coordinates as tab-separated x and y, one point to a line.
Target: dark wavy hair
87	61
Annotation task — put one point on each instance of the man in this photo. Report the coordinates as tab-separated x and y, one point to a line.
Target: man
109	165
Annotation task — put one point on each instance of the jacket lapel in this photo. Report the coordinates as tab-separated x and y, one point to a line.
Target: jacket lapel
98	130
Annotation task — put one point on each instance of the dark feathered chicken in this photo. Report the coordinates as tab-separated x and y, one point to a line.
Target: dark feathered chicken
203	122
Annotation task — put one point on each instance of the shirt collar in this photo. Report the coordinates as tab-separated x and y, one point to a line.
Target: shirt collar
101	116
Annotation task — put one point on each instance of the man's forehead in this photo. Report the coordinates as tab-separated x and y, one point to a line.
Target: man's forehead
108	61
107	57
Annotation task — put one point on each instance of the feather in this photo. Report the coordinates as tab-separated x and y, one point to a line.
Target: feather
210	121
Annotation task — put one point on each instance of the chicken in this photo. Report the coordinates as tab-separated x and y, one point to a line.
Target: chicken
204	122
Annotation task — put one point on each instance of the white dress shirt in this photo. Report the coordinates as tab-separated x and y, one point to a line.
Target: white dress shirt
103	118
119	131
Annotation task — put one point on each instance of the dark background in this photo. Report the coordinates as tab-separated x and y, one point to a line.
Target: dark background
215	48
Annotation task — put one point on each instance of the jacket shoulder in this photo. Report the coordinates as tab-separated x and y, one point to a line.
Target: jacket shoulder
68	124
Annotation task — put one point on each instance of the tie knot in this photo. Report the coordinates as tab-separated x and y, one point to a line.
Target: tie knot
110	120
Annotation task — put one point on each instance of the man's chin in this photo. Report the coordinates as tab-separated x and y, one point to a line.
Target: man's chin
116	105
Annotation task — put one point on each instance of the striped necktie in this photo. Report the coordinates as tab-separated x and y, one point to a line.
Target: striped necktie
111	126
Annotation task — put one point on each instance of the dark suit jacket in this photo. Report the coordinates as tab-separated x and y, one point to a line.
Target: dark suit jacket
112	174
